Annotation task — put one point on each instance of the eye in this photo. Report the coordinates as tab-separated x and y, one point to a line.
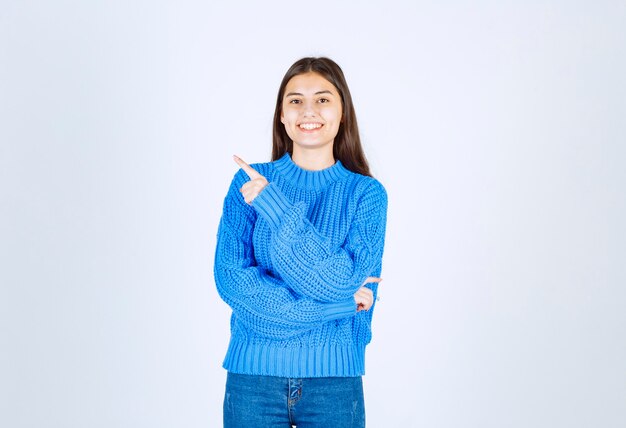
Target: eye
294	101
323	100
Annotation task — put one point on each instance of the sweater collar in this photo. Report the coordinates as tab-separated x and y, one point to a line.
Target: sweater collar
313	180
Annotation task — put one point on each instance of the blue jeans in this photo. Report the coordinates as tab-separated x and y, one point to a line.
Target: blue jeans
266	401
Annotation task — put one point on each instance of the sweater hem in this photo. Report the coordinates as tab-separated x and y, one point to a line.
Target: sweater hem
268	360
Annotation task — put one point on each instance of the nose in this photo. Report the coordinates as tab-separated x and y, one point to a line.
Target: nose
309	108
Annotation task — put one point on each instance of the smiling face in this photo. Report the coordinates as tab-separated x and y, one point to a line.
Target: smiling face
311	111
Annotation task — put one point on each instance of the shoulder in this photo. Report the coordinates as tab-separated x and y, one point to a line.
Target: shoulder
366	194
366	185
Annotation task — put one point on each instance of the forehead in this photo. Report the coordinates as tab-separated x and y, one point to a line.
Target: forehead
309	83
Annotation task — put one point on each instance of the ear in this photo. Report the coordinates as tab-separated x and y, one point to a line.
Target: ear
282	118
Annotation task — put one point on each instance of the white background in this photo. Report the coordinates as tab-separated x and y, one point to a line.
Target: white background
498	129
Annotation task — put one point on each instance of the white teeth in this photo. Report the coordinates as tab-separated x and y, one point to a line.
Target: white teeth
309	126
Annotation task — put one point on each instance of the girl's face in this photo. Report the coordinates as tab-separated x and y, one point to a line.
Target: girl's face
311	111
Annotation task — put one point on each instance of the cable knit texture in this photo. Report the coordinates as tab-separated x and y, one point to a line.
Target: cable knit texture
289	264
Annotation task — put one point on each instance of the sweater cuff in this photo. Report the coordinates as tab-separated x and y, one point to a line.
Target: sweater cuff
339	310
271	204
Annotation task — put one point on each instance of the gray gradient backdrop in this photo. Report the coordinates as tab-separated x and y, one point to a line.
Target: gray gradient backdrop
498	129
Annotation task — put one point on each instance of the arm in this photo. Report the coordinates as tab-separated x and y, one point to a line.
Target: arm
263	303
306	260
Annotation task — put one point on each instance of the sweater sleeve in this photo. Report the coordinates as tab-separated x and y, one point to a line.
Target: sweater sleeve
263	303
308	262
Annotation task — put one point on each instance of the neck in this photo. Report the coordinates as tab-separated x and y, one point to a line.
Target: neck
308	179
313	159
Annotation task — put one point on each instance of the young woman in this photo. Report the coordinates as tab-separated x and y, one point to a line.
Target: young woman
298	260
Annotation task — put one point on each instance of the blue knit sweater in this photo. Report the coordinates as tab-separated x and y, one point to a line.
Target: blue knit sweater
289	266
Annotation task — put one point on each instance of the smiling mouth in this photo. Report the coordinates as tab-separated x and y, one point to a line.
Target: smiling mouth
310	126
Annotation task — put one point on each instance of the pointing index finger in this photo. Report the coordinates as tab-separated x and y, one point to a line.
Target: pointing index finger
247	168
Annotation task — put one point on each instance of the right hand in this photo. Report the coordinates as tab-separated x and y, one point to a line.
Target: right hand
257	183
364	298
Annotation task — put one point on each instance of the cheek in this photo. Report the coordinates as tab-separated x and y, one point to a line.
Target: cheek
289	125
332	113
285	116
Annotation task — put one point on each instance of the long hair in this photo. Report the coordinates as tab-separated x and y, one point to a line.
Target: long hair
347	144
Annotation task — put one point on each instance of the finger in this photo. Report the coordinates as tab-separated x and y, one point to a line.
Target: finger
371	279
252	189
366	292
249	193
364	299
252	185
364	306
247	168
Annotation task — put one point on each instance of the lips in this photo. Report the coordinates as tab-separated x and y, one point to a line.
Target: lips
310	126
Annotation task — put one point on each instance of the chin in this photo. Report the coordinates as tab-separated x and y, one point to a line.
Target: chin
309	144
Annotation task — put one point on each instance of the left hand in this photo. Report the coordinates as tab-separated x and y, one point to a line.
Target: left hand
365	297
257	182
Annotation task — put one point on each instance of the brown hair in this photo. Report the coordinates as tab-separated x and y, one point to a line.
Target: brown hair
347	144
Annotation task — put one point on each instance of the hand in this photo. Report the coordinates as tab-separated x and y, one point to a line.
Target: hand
364	298
257	182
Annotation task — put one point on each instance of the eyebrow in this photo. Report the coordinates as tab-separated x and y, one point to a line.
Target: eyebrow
291	94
